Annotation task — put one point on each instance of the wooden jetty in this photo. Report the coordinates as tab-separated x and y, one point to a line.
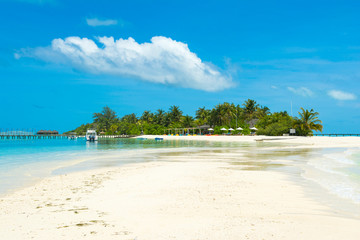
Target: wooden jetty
57	136
338	134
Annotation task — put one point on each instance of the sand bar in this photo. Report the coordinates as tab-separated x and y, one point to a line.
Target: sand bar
176	199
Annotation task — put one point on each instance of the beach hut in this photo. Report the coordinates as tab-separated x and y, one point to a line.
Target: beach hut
47	132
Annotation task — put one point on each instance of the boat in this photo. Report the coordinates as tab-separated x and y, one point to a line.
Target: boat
141	138
91	135
72	136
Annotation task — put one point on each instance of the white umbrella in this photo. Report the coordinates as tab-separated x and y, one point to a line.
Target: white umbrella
254	128
210	129
239	128
231	129
223	129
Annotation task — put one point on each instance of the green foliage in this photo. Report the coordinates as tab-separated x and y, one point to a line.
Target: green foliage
222	115
307	122
105	119
202	115
250	107
187	121
82	129
275	124
133	130
175	114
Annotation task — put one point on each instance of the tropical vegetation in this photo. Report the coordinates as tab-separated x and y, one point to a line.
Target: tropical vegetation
225	115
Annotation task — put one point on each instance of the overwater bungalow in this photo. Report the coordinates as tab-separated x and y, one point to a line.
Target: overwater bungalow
47	132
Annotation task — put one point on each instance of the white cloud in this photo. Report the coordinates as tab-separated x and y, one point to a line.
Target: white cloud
302	91
94	22
340	95
162	60
17	56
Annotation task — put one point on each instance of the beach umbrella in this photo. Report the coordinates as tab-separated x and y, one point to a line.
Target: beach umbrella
239	128
254	128
210	129
223	129
231	129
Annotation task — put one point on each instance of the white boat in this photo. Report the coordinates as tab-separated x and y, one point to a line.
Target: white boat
91	135
72	137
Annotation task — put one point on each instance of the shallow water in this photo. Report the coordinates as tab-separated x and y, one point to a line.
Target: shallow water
22	162
337	171
25	161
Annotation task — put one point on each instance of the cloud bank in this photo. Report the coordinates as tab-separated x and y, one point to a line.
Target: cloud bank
94	22
162	60
340	95
302	91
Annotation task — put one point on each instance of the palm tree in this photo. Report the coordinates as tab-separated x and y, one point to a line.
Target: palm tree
105	118
250	107
175	114
187	121
130	118
238	113
159	117
228	111
262	111
308	121
202	115
147	116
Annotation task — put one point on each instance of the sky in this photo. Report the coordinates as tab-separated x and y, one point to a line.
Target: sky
61	61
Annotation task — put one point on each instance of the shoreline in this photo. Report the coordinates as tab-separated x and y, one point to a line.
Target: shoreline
179	196
305	142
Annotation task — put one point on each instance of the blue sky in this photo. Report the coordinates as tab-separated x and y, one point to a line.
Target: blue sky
61	61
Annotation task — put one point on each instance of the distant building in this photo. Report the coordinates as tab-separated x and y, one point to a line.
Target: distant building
47	132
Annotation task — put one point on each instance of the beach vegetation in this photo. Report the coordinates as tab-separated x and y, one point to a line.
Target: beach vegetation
105	119
275	124
202	116
223	115
307	122
175	114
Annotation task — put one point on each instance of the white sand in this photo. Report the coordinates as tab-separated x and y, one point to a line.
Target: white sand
302	142
175	200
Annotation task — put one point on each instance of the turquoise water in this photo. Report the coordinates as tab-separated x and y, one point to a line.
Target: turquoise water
337	171
24	161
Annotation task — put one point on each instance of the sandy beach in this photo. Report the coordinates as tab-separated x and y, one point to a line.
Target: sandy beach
183	196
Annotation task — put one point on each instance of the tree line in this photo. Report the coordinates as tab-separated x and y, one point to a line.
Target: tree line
227	115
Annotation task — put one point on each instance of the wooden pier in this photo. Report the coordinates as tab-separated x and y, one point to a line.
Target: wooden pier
57	136
338	134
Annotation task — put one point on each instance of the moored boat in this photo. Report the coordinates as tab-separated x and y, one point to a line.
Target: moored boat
91	135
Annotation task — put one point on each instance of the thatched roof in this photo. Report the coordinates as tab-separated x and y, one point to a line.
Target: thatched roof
46	132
